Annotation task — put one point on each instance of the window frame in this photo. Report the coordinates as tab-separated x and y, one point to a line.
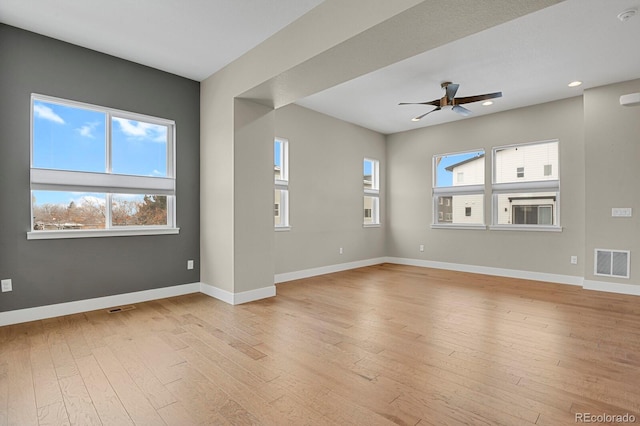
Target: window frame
373	193
525	187
108	183
282	185
440	192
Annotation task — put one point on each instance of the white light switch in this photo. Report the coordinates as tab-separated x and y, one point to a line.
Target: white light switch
621	212
6	286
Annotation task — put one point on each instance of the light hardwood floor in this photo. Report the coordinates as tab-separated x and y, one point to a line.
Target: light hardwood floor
379	345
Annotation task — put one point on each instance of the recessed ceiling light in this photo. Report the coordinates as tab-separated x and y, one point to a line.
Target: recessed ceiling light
624	16
487	103
575	83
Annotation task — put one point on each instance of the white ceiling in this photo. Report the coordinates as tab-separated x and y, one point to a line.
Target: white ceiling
530	59
190	38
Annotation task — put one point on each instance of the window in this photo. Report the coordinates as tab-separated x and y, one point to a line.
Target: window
97	171
371	185
281	179
529	201
458	189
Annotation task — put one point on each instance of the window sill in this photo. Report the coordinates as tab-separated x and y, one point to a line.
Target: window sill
457	226
282	228
535	228
371	225
55	235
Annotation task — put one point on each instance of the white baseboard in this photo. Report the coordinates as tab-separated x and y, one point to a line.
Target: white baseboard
488	270
307	273
68	308
619	288
238	298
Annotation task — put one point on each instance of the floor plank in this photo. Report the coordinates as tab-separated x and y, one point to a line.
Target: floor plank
386	344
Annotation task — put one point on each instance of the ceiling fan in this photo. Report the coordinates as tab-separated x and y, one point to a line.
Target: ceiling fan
449	99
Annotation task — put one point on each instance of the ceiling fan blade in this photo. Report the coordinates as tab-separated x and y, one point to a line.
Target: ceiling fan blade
452	89
469	99
435	102
420	117
461	110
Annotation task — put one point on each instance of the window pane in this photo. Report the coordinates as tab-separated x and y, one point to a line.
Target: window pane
536	208
281	209
465	168
57	210
461	209
277	160
370	174
68	138
280	160
138	210
371	211
139	148
527	163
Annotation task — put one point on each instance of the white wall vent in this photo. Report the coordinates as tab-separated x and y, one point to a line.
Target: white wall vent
612	263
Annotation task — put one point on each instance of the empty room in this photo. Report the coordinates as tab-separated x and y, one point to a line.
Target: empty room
318	212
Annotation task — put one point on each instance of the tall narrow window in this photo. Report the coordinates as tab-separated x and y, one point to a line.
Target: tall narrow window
371	185
458	189
97	171
281	180
526	186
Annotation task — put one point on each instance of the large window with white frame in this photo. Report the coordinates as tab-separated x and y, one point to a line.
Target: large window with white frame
458	189
281	179
371	185
98	171
526	186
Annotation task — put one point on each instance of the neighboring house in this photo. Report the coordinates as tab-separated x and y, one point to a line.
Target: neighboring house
529	163
464	208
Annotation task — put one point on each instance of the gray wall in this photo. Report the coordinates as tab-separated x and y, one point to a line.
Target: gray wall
53	271
253	219
325	191
409	157
612	145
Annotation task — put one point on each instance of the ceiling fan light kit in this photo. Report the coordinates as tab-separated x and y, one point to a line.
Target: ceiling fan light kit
449	99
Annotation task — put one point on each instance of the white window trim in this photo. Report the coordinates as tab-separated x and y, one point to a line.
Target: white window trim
120	231
107	183
529	187
373	192
283	185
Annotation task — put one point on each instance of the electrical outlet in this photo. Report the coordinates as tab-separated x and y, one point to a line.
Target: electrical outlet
6	286
189	264
341	251
621	212
421	247
574	260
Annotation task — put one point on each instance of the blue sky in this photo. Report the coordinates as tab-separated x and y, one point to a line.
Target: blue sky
72	138
277	147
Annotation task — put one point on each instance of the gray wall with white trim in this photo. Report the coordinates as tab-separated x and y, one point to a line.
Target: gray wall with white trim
53	271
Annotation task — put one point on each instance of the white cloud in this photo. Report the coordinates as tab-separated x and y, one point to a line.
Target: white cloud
142	130
87	130
44	112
